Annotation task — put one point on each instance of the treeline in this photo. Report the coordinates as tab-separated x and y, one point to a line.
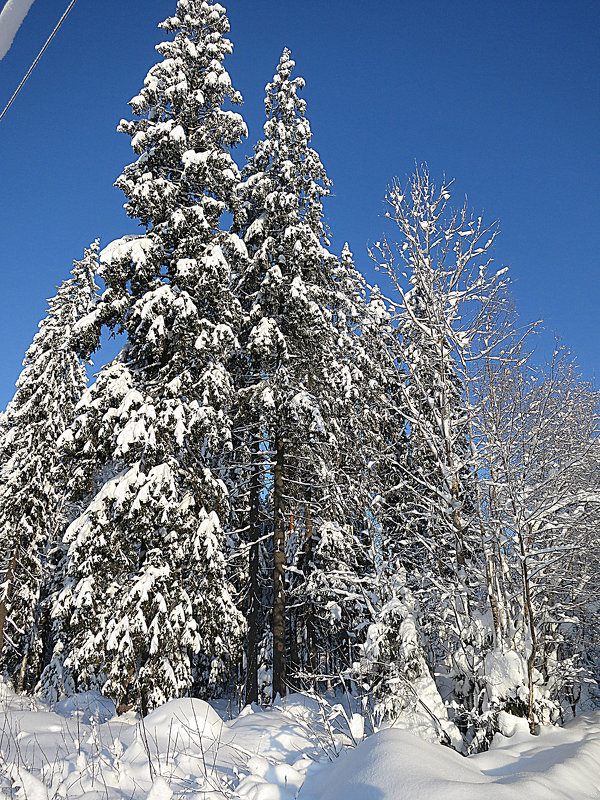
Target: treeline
287	480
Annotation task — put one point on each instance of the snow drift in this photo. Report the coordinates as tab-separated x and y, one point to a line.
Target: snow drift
560	764
302	749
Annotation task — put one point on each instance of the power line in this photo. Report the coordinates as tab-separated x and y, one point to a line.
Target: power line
39	55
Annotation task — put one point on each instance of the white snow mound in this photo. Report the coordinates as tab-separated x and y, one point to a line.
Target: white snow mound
89	706
179	727
185	749
560	764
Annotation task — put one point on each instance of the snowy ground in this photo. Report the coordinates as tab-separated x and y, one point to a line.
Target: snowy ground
304	750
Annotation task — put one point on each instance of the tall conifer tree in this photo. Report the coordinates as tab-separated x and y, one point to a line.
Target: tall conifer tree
289	339
33	506
147	612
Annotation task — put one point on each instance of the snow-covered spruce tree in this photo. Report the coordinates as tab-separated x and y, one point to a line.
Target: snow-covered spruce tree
440	269
370	427
147	611
33	494
289	386
365	339
392	670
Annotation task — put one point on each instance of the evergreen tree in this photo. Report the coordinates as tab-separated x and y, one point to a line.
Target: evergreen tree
392	669
291	355
343	584
147	611
33	506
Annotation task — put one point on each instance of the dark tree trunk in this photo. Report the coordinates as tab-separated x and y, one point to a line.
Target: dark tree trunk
294	622
253	580
294	679
310	618
279	615
529	618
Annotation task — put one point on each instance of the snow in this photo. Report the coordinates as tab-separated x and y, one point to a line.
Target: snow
193	158
128	248
560	764
178	134
11	19
88	705
302	748
504	671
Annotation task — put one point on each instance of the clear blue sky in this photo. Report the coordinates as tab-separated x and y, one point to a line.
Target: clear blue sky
502	96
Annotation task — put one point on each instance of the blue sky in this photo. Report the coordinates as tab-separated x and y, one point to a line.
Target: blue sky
502	96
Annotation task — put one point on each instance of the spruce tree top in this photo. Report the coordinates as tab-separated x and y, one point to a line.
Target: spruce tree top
285	179
183	139
53	377
169	289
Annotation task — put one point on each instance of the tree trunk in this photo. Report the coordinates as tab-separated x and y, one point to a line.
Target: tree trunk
532	634
310	619
8	580
294	622
279	648
294	679
22	672
253	582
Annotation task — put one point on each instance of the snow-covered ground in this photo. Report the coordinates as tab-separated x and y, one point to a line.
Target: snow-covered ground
303	749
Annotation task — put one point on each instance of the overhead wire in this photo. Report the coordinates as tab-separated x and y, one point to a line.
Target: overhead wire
39	55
